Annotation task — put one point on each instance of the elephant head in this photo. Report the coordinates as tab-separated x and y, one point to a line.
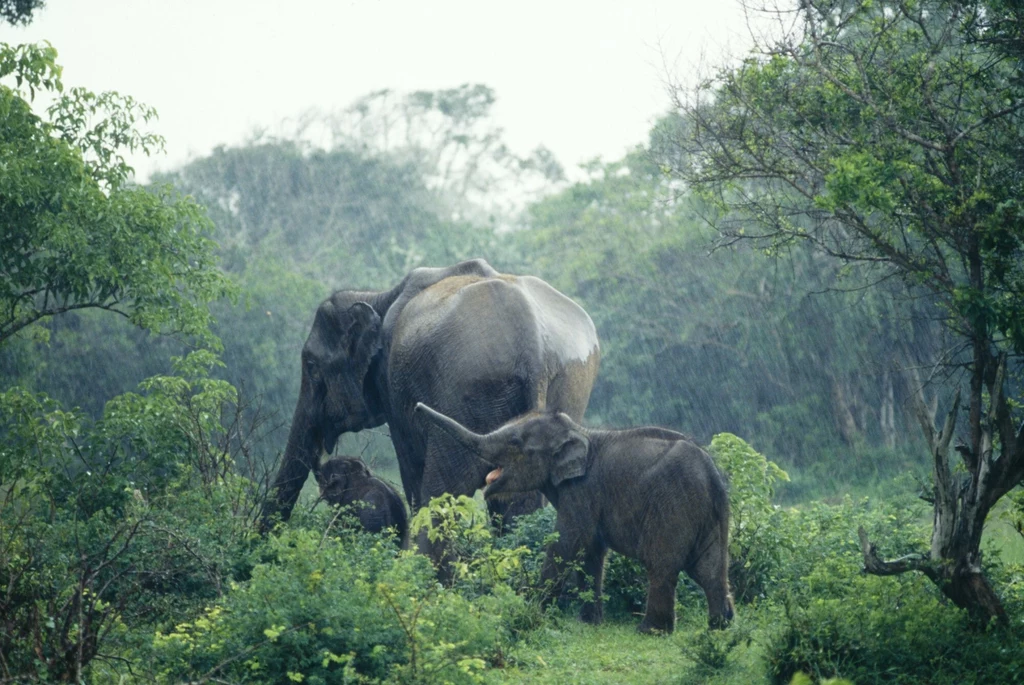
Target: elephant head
335	365
538	451
337	394
339	479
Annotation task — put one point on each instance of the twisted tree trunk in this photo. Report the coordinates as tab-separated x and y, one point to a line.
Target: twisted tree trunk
961	502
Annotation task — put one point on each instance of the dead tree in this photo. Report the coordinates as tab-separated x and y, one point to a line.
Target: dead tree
962	500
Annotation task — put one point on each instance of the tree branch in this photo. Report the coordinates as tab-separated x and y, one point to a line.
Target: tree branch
910	562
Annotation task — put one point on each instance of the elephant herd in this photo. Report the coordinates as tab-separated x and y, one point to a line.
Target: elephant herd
483	379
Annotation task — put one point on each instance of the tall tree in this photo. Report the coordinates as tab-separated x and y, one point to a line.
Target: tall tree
449	137
76	233
19	11
890	135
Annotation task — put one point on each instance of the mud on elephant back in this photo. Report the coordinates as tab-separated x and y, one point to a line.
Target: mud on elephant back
481	346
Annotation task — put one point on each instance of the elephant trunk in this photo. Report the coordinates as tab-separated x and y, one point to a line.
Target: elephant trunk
483	446
300	456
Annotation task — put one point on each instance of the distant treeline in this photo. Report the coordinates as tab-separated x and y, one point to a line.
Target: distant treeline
790	353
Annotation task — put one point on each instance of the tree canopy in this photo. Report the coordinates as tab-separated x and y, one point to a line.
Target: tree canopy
76	232
19	11
890	135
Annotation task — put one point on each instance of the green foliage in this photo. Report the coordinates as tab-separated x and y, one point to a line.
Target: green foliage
478	561
75	233
103	524
888	630
832	620
337	609
711	648
757	542
19	11
535	532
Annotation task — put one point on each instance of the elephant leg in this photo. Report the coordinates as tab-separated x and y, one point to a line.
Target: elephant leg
437	480
504	511
553	576
410	469
593	567
561	557
661	602
712	575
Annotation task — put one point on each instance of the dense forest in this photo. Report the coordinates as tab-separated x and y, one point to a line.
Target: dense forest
814	266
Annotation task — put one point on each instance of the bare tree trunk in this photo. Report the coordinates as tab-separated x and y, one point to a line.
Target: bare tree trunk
887	411
962	501
845	422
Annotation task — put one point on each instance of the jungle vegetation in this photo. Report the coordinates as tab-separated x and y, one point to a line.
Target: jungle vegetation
814	265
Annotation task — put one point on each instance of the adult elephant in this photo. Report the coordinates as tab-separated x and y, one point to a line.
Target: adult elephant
480	346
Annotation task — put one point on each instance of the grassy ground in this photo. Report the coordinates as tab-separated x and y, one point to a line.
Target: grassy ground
566	651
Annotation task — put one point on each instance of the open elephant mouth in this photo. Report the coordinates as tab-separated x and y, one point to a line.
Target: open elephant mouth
496	484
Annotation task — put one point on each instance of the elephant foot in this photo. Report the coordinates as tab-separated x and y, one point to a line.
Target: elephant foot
591	613
657	625
660	616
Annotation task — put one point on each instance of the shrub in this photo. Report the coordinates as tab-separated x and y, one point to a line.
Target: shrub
103	525
758	544
895	630
337	609
838	622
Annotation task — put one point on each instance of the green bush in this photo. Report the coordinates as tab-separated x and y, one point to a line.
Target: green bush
837	621
107	527
893	630
338	609
758	544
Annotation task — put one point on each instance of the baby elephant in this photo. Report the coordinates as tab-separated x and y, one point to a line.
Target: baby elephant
647	493
347	481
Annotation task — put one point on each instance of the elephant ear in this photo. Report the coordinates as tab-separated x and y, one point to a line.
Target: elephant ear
364	339
572	458
359	468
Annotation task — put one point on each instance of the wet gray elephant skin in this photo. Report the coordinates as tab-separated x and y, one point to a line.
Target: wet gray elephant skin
347	481
647	493
481	346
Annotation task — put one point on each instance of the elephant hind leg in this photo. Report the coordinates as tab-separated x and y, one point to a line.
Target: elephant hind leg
661	602
711	573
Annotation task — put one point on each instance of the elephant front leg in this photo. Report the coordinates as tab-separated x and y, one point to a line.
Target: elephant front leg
560	562
437	480
593	568
661	603
553	576
285	491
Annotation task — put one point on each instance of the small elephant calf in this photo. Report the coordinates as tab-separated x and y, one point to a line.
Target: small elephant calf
347	481
647	493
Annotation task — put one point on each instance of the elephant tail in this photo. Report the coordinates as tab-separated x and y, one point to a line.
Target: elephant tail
718	535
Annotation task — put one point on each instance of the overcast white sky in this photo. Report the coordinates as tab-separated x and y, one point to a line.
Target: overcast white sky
583	77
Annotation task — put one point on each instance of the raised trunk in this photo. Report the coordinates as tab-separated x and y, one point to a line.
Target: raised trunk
487	447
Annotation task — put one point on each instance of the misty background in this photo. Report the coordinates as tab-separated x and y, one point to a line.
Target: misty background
346	150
